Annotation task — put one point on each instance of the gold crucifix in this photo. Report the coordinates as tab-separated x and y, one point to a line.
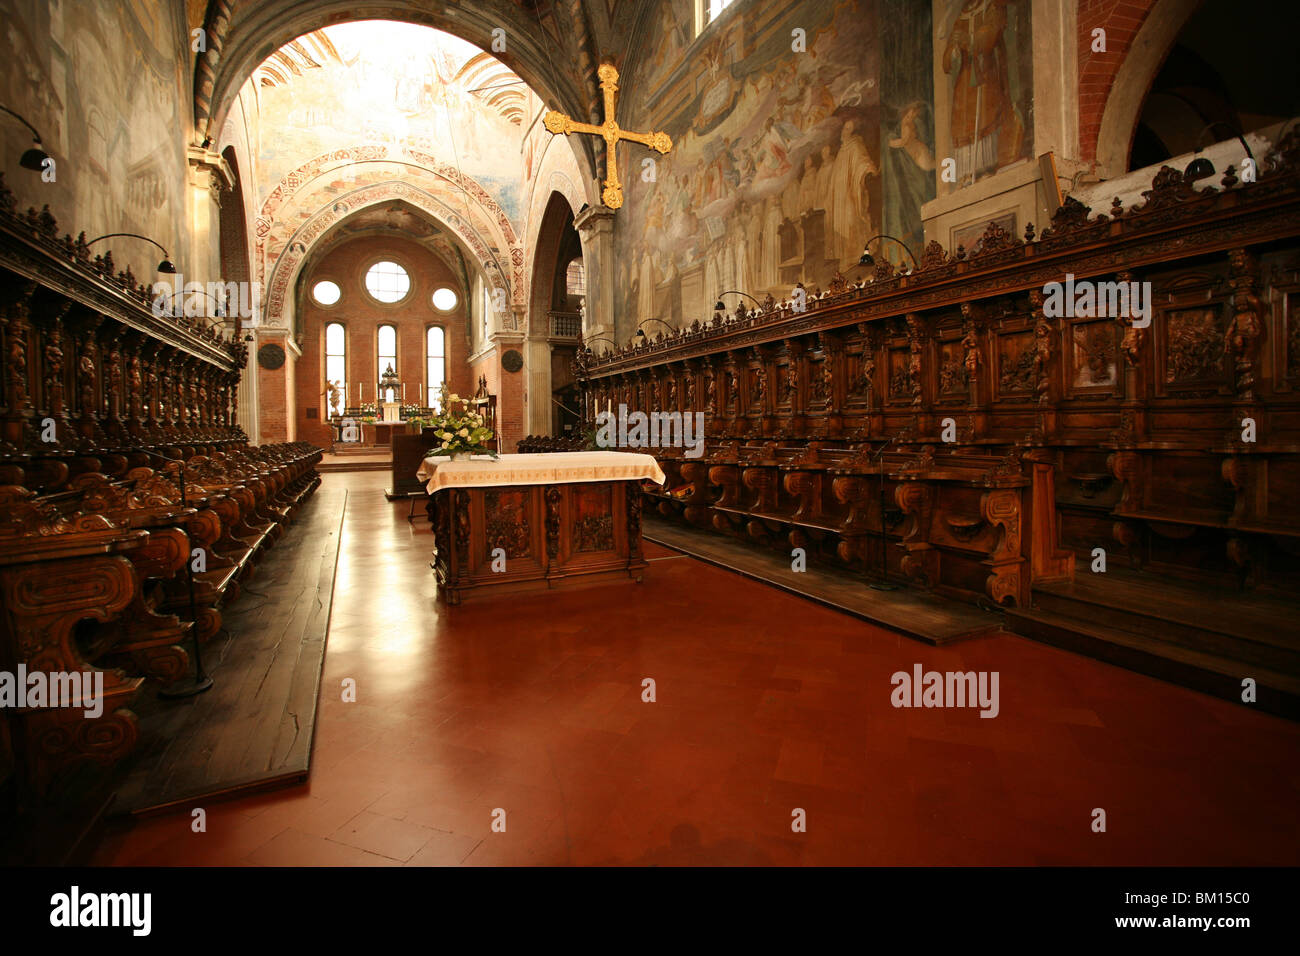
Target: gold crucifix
559	123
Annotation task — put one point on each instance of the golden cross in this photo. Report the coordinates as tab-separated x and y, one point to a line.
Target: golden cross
559	123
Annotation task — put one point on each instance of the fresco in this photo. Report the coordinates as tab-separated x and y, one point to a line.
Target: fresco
784	162
985	52
403	86
112	175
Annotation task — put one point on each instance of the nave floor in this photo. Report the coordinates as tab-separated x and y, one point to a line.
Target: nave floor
765	703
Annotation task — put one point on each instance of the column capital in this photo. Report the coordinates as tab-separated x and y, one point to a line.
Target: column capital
596	219
209	170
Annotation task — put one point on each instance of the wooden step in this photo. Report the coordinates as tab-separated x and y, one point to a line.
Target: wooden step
1250	629
1276	693
913	613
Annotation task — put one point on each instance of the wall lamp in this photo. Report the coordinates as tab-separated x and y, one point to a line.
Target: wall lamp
640	332
1200	167
221	307
719	307
35	157
165	267
869	260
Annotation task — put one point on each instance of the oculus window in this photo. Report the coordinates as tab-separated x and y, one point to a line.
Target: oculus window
388	282
444	300
326	292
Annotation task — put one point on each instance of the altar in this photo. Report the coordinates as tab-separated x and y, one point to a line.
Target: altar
536	522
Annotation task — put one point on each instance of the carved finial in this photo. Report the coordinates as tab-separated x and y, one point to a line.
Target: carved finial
1229	177
1029	232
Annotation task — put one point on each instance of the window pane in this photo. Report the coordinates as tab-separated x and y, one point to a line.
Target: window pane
387	340
334	339
575	279
336	366
436	366
444	300
388	282
326	293
336	373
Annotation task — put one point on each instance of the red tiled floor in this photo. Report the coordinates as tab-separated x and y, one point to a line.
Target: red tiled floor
764	703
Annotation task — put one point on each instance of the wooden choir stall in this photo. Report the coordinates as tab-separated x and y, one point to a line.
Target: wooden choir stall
1118	487
121	464
537	521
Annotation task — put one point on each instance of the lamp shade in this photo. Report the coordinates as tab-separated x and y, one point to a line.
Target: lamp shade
34	158
1199	168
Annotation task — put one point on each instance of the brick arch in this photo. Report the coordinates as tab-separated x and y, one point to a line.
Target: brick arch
1114	84
288	263
290	205
292	182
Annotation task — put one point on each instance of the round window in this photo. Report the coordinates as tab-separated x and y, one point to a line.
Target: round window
388	282
444	300
325	293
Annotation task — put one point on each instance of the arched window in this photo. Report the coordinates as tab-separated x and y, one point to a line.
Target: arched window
575	278
387	351
435	349
336	367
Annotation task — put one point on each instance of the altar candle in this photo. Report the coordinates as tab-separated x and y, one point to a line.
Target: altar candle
403	393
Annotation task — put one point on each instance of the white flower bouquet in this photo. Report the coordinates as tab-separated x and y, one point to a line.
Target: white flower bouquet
459	430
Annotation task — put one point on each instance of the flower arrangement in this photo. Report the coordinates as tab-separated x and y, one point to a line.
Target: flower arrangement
459	430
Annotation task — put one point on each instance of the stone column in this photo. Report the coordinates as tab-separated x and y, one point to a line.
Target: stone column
210	175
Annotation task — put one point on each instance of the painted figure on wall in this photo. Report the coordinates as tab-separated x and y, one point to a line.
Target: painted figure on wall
986	125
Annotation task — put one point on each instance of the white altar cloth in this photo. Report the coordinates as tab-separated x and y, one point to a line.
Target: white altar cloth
546	469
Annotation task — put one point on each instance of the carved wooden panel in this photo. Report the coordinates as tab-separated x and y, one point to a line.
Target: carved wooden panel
1190	351
1092	358
507	522
1016	372
593	521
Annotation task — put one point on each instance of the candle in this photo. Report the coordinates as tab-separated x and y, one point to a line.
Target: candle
403	393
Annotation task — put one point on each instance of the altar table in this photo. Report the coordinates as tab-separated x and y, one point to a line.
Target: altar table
536	522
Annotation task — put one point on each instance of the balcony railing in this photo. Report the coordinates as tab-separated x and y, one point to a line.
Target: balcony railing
565	325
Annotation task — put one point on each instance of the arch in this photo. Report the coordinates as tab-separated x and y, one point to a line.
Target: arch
237	41
294	181
1151	45
546	260
285	263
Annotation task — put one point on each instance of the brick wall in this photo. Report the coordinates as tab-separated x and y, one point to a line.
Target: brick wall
361	316
273	397
508	387
1121	19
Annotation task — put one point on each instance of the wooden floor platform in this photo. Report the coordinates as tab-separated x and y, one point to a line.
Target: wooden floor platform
1188	634
254	728
356	458
915	614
